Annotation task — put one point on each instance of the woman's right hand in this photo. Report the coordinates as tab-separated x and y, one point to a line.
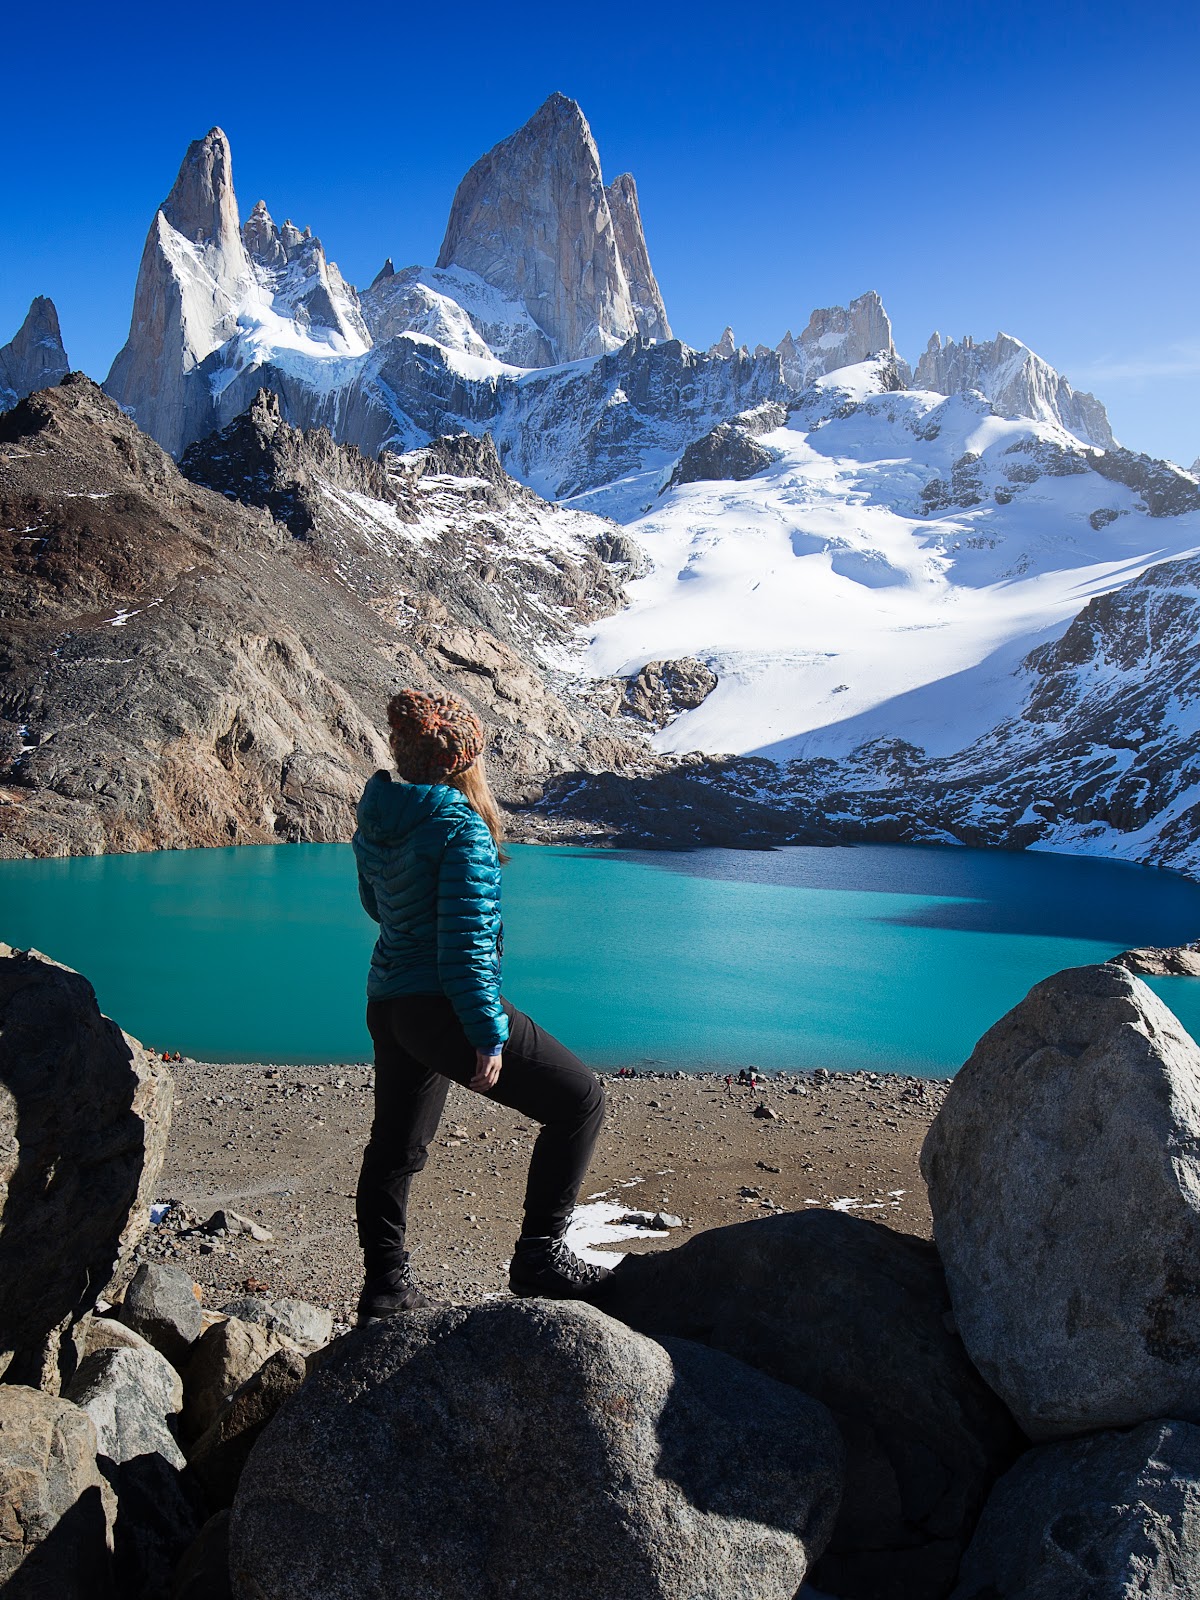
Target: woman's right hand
487	1071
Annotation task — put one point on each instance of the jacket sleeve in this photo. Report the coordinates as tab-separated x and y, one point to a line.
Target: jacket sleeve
468	929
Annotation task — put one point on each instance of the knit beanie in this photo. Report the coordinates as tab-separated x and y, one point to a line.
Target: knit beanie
434	736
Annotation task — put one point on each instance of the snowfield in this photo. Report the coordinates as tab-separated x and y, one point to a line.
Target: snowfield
839	597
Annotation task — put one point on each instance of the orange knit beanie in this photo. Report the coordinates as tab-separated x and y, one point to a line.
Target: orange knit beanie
434	736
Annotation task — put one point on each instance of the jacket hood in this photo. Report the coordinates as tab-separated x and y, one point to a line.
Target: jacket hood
389	811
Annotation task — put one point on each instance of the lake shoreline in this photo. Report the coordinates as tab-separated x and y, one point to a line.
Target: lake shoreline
282	1145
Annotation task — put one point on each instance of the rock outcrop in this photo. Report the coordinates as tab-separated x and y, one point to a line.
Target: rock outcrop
421	1456
1016	381
1151	961
1115	1514
181	669
837	336
34	357
56	1531
661	690
84	1115
532	218
1064	1181
726	451
856	1316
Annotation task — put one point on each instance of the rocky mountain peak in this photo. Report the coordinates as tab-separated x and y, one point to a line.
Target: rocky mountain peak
533	219
34	357
201	205
1017	381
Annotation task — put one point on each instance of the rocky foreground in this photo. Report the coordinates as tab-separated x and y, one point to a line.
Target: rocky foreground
1009	1411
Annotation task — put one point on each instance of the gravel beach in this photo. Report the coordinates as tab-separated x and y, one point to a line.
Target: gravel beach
281	1147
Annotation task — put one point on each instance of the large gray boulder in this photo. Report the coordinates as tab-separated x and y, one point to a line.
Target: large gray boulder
858	1317
84	1114
1064	1179
160	1304
309	1327
130	1395
56	1511
537	1449
1115	1516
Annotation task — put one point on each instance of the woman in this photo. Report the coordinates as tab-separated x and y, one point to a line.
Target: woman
429	873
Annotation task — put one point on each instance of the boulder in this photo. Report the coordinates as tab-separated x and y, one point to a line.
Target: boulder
106	1333
307	1326
539	1449
1114	1515
858	1317
228	1354
1064	1179
56	1511
727	451
220	1453
203	1574
84	1113
161	1305
129	1395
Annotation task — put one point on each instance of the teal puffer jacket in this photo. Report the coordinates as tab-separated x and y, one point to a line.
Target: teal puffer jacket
428	873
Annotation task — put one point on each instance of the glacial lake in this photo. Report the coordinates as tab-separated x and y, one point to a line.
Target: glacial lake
888	957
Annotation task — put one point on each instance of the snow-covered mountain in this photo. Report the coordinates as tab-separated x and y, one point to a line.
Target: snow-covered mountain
892	558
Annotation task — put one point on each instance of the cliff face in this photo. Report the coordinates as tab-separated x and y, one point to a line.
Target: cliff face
1016	381
181	669
533	219
34	357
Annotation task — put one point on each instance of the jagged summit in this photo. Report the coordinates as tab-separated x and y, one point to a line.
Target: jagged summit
34	357
202	206
533	219
1018	383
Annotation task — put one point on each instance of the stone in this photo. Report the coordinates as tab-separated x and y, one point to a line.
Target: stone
857	1316
34	357
662	690
307	1326
1153	961
232	1222
56	1510
221	1451
160	1304
228	1354
84	1114
129	1395
1112	1515
533	1448
203	1574
1064	1180
106	1333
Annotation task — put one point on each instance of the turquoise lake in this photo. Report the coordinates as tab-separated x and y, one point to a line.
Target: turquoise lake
890	957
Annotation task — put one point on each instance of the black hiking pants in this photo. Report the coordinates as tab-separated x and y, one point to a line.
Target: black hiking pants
420	1048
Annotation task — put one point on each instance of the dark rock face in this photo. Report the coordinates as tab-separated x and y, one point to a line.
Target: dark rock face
727	451
178	669
1063	1179
56	1511
533	1448
663	689
857	1316
203	1574
83	1130
1114	1515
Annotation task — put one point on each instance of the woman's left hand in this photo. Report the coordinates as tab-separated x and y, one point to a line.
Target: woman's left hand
487	1071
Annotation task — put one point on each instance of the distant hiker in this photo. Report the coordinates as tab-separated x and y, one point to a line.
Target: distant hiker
428	853
753	1080
728	1083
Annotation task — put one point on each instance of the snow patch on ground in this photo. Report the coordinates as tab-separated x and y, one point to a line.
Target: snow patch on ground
603	1222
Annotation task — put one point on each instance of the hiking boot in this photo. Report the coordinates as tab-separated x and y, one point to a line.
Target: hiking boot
547	1268
388	1295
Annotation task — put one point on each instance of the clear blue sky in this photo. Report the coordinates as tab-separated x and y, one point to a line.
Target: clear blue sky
1018	166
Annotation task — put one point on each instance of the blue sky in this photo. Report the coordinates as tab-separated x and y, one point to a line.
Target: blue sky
1026	167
